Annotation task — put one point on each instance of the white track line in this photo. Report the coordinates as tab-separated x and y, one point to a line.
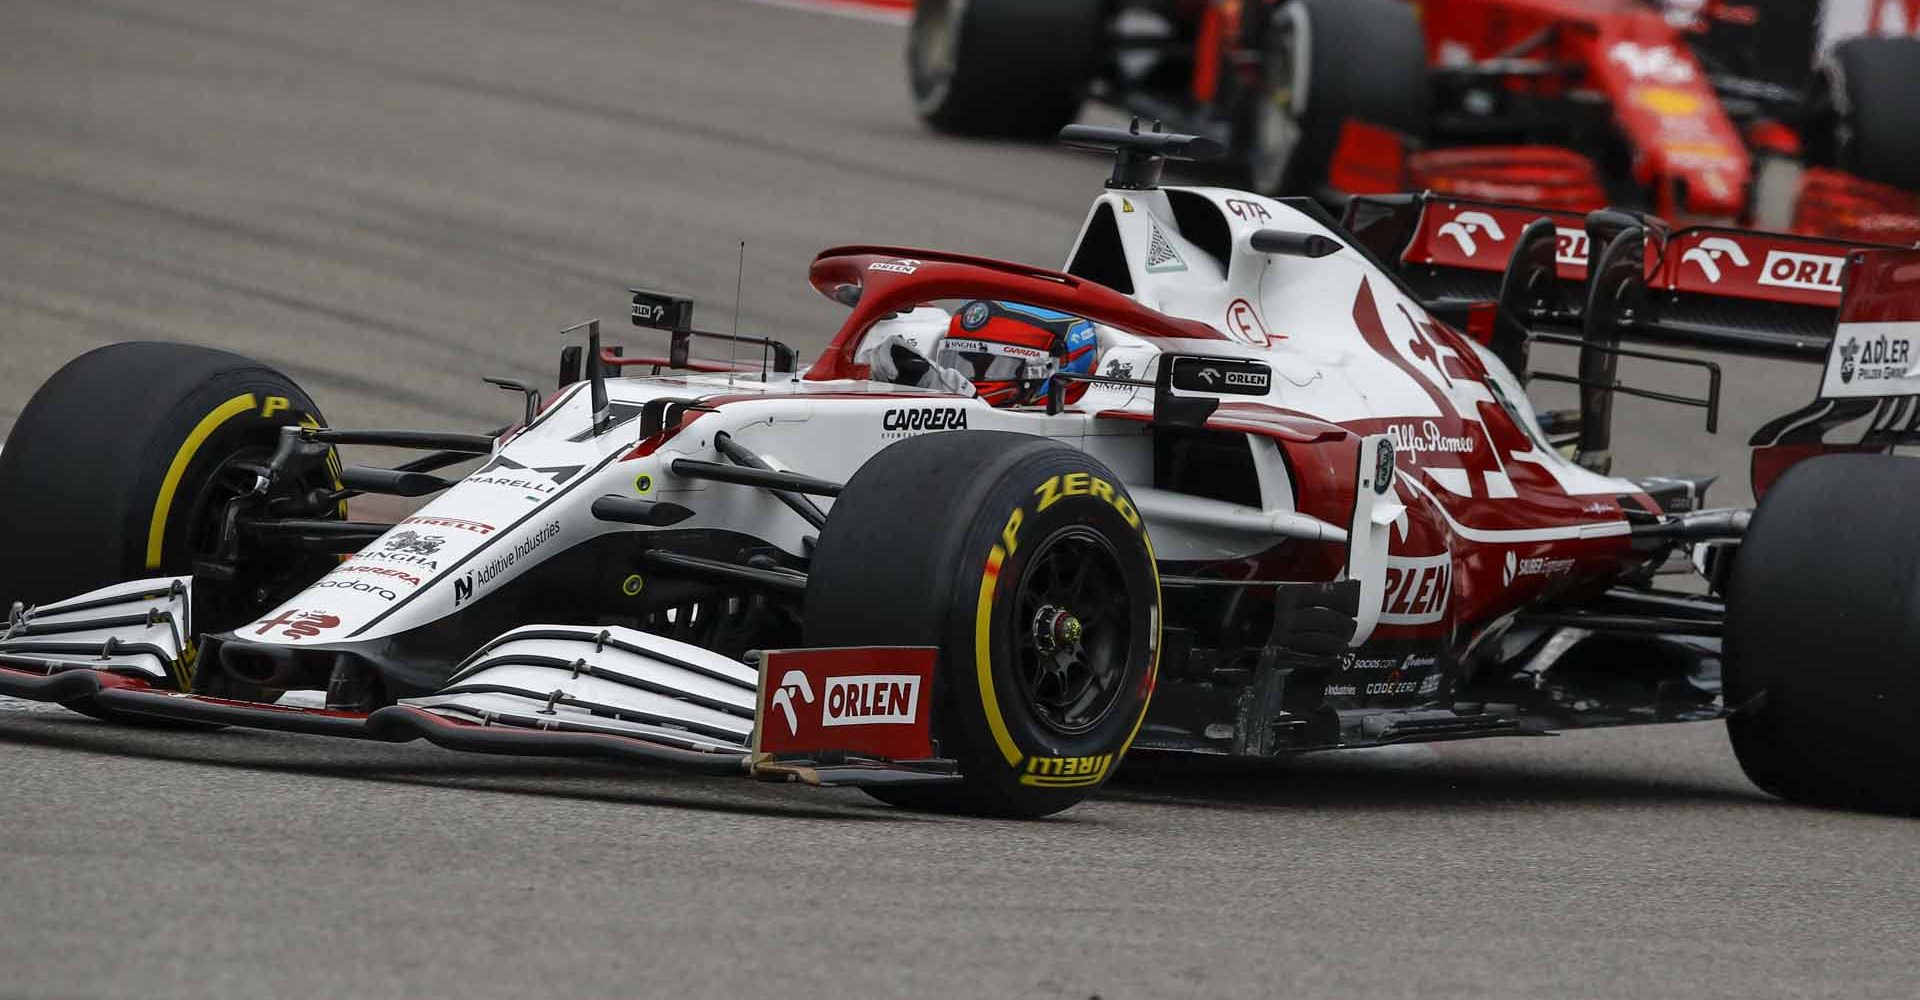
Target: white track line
854	9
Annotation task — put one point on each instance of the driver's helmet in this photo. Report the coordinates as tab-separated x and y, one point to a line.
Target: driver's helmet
1007	350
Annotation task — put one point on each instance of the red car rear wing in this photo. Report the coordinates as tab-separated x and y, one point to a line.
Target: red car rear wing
879	281
1706	286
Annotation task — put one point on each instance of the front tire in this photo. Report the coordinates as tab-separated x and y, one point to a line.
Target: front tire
119	468
1017	68
1823	636
1026	563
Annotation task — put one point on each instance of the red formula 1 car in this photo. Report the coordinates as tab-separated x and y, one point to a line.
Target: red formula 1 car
1706	111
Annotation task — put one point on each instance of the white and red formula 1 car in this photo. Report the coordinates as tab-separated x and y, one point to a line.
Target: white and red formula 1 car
1292	507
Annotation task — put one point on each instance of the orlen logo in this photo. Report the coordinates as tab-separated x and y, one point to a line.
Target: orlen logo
793	684
1708	254
1417	589
870	700
1465	226
1570	246
1806	271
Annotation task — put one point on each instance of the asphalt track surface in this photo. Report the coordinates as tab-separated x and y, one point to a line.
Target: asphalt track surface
390	199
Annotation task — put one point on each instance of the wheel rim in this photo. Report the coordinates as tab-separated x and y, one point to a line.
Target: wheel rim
934	48
263	582
1277	129
1071	634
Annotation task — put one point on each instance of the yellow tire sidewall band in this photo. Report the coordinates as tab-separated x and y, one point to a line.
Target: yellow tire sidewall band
983	644
182	459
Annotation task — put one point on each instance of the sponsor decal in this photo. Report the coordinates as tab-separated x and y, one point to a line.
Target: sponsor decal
1383	469
1668	102
1570	246
1067	772
1244	325
297	624
359	587
1073	484
467	584
867	700
387	571
456	523
1708	254
1428	438
1248	211
1517	568
1118	368
908	421
1875	359
1126	206
870	699
1417	589
1161	255
1412	675
983	347
1468	227
1811	272
975	316
536	481
1221	375
902	266
415	543
1652	63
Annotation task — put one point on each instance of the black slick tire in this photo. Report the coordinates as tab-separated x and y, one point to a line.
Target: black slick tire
961	540
1015	68
1875	85
1822	647
108	474
1329	61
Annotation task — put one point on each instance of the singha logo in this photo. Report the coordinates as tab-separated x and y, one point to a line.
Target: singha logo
1465	226
1848	352
416	543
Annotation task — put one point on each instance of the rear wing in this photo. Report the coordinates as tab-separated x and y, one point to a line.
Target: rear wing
1512	275
1712	287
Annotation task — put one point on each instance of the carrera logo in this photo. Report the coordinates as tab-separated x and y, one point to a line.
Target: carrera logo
874	699
1467	227
903	422
1708	254
401	575
1417	589
1806	271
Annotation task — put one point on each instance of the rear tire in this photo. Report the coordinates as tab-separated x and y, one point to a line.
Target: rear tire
1823	636
116	470
1875	84
945	538
1016	68
1328	61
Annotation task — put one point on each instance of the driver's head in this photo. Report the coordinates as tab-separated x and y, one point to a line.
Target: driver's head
1011	351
